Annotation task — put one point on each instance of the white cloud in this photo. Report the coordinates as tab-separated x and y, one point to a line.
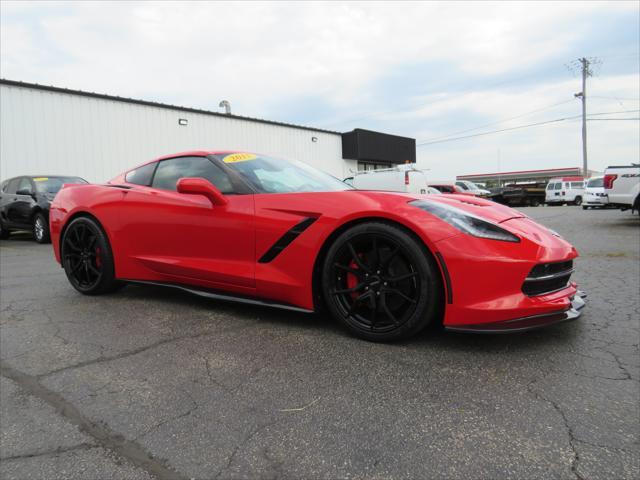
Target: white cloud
260	55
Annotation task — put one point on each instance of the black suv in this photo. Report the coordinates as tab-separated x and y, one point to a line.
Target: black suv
25	201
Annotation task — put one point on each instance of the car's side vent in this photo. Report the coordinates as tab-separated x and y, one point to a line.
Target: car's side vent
547	278
284	241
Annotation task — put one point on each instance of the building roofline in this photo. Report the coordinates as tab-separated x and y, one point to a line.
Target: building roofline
36	86
521	172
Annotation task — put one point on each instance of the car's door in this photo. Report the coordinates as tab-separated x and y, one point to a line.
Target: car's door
7	195
181	237
21	206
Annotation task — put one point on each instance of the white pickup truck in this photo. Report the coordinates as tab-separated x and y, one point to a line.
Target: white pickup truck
622	186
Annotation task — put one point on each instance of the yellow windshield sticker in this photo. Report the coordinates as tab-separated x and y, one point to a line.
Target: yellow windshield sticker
239	157
41	179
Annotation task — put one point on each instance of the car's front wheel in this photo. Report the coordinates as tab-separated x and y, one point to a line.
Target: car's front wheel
41	228
380	283
87	258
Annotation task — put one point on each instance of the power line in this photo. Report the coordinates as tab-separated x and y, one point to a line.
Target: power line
498	131
611	113
519	127
616	98
499	121
609	119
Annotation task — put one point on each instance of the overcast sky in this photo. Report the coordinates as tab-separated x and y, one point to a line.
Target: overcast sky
424	70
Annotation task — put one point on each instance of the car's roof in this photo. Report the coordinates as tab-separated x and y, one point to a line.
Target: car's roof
190	153
567	179
198	153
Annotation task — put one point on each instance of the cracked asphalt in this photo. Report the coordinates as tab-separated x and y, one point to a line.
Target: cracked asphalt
155	383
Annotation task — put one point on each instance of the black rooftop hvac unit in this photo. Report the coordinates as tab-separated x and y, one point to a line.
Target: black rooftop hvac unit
376	147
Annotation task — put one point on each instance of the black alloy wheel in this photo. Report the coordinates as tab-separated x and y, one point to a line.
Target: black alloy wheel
87	258
380	283
41	228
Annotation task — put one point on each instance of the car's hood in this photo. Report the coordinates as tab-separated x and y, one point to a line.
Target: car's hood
477	206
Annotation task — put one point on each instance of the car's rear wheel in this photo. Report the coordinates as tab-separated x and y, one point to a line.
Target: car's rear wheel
379	282
41	228
578	201
87	258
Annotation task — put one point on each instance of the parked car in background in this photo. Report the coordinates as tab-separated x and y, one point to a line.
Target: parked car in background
471	187
402	178
521	194
25	202
594	194
622	186
446	186
565	190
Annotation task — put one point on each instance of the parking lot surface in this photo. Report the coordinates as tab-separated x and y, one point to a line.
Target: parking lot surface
150	382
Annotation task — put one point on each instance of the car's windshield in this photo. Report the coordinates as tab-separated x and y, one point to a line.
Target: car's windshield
275	175
54	184
596	182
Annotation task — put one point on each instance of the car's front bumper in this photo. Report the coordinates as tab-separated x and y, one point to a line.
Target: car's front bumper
527	323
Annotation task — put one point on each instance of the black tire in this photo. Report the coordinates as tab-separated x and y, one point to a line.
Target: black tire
578	201
40	228
584	207
379	282
534	202
4	233
87	257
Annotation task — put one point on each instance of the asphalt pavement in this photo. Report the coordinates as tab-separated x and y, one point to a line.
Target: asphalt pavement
150	382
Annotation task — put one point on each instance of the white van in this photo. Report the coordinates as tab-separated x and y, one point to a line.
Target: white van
569	190
594	194
403	178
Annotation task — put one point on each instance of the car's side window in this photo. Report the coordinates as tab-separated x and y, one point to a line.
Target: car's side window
25	186
142	175
558	186
13	185
170	171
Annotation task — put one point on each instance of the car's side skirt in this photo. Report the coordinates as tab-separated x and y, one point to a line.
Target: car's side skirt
227	297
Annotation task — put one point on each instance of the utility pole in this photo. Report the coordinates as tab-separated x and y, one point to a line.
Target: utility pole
586	72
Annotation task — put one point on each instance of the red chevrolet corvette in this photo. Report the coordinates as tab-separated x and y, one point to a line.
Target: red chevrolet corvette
247	227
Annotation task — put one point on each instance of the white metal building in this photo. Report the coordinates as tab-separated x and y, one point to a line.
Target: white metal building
55	131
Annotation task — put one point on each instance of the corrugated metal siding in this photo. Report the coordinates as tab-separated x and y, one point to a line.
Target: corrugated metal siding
44	132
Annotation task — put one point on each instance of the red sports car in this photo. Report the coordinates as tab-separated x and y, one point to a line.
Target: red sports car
247	227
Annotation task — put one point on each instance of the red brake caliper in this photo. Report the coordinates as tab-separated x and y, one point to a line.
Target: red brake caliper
352	279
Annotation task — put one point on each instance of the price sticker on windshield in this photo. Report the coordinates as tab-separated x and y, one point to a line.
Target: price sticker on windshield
239	157
41	179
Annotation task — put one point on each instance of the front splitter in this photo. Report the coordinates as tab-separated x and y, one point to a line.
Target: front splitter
527	323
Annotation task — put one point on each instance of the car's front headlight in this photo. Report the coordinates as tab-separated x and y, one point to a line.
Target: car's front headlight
466	222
